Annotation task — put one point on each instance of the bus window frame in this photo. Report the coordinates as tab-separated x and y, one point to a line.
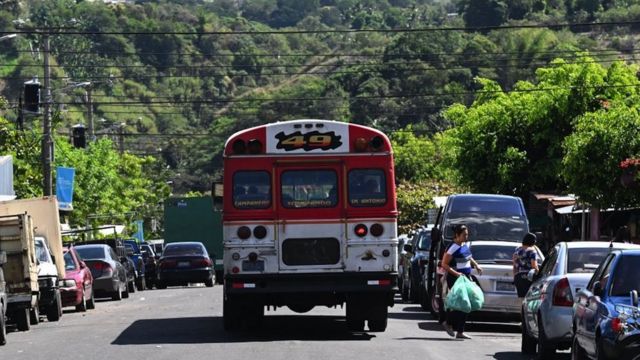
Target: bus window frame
336	186
269	196
383	188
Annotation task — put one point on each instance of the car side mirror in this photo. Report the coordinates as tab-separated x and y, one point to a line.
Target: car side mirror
408	248
597	289
634	298
532	275
3	258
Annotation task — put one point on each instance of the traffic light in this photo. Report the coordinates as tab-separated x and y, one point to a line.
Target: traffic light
32	96
78	133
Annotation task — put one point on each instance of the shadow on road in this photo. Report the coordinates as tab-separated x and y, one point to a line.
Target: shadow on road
516	355
195	330
476	327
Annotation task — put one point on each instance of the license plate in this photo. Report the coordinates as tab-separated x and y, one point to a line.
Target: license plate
505	286
184	263
253	266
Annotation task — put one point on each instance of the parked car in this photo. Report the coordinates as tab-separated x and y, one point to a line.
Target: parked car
3	301
496	281
606	317
119	248
77	286
417	256
183	263
402	240
109	275
149	257
547	309
134	253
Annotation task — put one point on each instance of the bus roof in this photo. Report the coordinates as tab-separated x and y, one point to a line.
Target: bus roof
306	136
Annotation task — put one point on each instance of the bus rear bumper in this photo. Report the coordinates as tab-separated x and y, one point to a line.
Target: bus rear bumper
322	288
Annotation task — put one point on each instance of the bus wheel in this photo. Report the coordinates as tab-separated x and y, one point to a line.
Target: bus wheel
355	318
230	315
378	320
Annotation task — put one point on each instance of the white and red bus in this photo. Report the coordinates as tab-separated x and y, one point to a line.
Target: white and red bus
309	219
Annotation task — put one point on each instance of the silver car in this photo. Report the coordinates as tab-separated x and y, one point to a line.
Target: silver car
547	309
496	260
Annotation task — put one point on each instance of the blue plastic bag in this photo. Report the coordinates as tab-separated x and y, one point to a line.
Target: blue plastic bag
465	296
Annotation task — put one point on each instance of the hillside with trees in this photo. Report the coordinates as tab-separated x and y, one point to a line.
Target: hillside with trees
171	80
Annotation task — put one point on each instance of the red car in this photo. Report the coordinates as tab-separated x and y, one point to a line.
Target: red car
77	287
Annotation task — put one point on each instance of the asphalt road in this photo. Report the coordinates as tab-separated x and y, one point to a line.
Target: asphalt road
186	323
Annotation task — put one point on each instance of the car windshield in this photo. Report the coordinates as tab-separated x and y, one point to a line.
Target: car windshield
625	276
424	243
585	260
493	254
486	226
41	252
183	249
90	253
68	262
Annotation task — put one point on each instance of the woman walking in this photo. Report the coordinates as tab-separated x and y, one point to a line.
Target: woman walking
524	259
458	261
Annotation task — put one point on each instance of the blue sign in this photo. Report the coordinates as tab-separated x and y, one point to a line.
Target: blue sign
64	187
140	232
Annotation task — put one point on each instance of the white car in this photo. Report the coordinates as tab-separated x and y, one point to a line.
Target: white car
496	260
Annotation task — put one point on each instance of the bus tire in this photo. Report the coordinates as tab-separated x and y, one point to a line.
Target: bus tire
378	320
230	316
355	318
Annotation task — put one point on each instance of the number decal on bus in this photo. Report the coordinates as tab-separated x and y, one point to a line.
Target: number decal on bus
310	141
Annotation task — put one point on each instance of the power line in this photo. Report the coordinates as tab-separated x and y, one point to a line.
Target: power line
354	98
60	31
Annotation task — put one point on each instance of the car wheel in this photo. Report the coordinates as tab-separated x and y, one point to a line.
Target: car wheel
34	316
127	290
141	284
435	304
54	311
546	350
91	303
82	307
3	326
208	283
600	355
117	295
577	352
425	300
161	285
22	320
528	344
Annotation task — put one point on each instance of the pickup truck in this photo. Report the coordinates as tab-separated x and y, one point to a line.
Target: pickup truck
21	270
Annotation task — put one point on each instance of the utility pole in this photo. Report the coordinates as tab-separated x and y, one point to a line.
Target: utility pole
92	134
47	142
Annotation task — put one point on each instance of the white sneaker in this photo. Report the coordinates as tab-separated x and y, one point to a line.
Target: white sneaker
463	336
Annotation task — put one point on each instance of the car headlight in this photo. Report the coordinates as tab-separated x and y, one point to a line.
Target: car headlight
68	283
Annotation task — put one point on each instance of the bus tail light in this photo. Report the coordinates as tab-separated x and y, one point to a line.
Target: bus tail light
562	293
255	146
361	144
377	229
239	146
260	232
361	230
244	232
376	143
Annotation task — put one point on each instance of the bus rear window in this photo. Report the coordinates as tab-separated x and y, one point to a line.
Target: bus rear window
309	189
251	190
367	188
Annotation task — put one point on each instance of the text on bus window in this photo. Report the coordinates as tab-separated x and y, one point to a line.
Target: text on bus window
309	189
367	188
251	190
